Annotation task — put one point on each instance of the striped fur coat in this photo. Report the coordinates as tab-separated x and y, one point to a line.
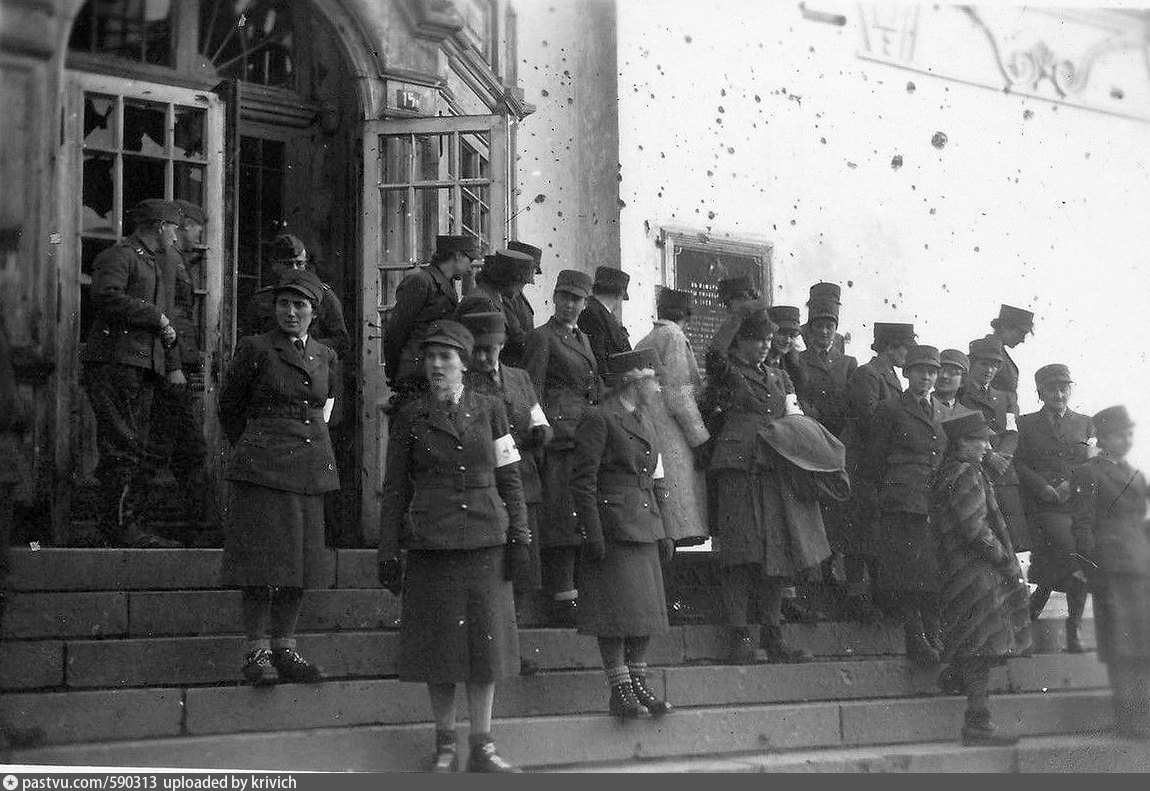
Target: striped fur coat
984	604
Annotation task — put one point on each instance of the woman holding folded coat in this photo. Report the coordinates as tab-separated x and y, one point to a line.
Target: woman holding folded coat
617	490
452	497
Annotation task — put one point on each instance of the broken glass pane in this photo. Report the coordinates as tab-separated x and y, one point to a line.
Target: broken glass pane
144	125
98	192
99	121
143	178
188	182
189	132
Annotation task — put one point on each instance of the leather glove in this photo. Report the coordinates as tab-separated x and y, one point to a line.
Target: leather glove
666	550
391	574
594	550
518	565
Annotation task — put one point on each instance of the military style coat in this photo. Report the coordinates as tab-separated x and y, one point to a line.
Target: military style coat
520	322
904	449
566	377
945	410
271	409
514	387
129	296
178	284
747	397
450	482
606	334
823	387
1049	448
328	327
1110	499
424	296
614	487
871	384
1006	380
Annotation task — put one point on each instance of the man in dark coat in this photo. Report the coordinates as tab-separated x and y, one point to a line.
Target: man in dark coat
423	297
605	332
562	367
871	383
1051	443
986	357
1011	328
520	315
125	358
501	279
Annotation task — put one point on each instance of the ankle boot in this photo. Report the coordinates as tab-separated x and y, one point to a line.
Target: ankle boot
920	651
979	731
483	758
446	758
624	704
657	706
1073	643
779	650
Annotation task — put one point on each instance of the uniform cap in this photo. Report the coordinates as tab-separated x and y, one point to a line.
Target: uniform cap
191	210
730	286
1010	316
628	366
300	281
446	332
922	355
287	247
531	250
822	309
1111	419
1055	372
987	349
610	280
785	317
156	210
888	332
971	425
668	299
507	266
487	329
573	282
468	245
476	303
956	358
758	325
825	292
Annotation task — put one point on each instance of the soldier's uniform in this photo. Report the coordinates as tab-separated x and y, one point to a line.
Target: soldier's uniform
1006	379
518	311
605	333
123	361
330	328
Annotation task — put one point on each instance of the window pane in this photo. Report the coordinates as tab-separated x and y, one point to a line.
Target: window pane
476	156
476	213
251	40
98	193
144	126
395	153
188	182
434	214
189	132
131	29
99	121
143	178
395	214
435	159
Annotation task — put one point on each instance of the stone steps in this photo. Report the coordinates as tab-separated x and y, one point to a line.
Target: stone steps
150	712
591	738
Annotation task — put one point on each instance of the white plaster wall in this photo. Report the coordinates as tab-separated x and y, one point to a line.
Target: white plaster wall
1050	211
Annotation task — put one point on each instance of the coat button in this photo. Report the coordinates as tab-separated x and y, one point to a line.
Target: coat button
459	447
306	382
307	421
463	506
646	505
308	440
462	468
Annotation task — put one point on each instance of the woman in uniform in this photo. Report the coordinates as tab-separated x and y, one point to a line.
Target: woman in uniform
1113	541
617	487
984	600
559	359
274	408
452	497
906	445
766	536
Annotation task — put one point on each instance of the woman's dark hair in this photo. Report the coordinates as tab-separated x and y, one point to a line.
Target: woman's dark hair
673	313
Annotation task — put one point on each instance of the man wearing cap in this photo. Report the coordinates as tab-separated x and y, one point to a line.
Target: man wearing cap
871	383
502	277
604	331
529	428
825	299
904	448
124	359
1052	442
1113	544
955	364
520	315
177	435
1011	328
986	357
983	593
424	296
565	373
288	253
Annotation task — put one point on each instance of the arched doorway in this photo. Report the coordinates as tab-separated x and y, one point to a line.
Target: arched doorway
252	110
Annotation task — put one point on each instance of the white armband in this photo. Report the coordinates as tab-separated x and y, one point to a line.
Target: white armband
505	451
328	406
538	418
1011	422
659	473
793	407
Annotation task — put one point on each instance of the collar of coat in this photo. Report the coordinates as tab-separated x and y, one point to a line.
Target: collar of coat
988	397
567	337
437	418
309	362
814	357
910	402
441	280
629	420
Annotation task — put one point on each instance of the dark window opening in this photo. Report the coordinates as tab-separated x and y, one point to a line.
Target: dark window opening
138	30
250	40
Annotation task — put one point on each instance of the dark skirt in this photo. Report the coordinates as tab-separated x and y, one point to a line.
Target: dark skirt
622	595
1010	504
272	537
534	578
1051	563
905	553
457	621
862	515
1122	616
558	526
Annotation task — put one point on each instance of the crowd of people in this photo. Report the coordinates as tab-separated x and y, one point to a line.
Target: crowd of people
559	457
